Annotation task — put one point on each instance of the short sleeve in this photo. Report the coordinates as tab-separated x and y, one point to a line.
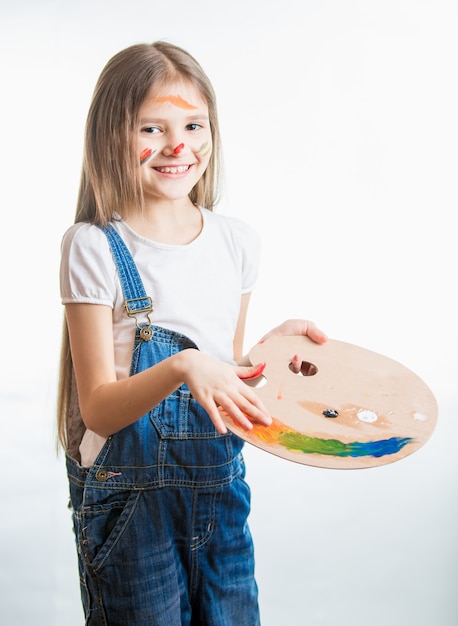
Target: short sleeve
87	269
250	250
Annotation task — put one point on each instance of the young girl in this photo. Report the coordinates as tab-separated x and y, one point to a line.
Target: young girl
156	289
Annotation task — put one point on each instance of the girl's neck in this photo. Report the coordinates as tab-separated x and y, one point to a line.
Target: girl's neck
174	224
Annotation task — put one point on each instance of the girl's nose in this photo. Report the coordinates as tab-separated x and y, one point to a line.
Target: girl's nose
173	150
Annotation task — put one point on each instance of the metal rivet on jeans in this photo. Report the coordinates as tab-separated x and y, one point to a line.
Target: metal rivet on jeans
101	475
146	333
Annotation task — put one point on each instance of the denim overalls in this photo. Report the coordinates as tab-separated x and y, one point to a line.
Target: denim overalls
161	517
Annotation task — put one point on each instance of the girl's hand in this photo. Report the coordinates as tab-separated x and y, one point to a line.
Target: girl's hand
298	327
218	387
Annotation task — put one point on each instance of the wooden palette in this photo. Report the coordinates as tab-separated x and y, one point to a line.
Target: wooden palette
352	408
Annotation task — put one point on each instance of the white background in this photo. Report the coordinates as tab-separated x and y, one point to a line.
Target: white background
340	138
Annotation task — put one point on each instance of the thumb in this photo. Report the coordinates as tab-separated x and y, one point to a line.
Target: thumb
317	335
252	371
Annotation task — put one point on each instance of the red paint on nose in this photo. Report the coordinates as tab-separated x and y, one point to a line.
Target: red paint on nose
178	149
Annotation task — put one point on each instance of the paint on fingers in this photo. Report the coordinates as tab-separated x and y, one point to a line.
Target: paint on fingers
258	371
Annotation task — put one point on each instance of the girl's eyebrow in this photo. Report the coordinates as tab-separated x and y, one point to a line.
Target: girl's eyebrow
177	100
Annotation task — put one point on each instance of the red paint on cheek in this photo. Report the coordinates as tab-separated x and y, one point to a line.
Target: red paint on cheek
146	154
178	149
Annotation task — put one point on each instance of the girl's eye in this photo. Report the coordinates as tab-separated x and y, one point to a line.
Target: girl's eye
150	130
193	126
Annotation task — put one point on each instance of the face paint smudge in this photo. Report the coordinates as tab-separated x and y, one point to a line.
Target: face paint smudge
205	146
146	154
178	148
177	100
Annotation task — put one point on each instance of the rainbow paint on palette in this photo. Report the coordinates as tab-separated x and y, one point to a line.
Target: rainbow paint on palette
279	433
333	447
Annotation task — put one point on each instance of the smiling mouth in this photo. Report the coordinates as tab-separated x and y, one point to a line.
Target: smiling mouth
179	169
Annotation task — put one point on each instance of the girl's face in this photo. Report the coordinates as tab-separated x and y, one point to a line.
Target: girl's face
174	142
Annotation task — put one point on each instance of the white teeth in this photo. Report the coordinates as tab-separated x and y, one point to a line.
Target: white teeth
173	170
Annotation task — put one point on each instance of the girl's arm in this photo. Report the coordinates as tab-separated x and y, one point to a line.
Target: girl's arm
108	405
240	330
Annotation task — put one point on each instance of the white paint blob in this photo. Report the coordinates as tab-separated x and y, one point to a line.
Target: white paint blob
420	417
367	416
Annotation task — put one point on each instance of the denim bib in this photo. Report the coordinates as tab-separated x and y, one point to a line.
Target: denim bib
174	444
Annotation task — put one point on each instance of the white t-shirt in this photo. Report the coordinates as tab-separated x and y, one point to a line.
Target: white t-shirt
195	288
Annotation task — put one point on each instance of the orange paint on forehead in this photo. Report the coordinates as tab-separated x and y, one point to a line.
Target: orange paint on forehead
177	100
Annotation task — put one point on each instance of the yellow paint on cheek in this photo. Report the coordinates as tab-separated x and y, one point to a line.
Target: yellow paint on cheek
177	100
206	147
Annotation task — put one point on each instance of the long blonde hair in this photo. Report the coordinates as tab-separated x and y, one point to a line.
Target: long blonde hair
110	176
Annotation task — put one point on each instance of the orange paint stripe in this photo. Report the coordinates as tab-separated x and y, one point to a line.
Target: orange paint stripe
267	434
178	101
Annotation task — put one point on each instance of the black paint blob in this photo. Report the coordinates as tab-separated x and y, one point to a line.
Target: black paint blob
330	413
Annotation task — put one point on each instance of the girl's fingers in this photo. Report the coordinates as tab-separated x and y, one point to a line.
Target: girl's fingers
298	327
253	371
232	412
296	364
315	333
218	422
245	411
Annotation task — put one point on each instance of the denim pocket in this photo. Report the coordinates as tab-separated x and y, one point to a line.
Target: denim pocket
101	526
179	416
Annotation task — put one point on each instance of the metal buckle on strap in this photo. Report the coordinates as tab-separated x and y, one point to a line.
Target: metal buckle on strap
137	307
141	305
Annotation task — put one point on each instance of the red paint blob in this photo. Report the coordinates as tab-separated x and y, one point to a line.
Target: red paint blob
145	154
258	371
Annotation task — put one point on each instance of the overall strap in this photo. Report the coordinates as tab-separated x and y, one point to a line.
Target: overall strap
135	298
